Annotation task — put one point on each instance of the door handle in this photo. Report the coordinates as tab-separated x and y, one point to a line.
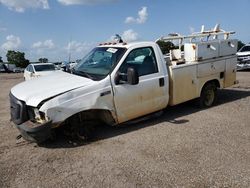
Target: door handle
161	82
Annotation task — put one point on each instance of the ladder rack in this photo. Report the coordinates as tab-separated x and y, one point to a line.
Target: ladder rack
214	32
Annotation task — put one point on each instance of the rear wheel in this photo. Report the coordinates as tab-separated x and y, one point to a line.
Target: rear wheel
208	95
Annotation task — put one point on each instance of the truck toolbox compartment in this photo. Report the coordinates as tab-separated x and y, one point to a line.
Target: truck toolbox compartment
228	47
209	68
201	51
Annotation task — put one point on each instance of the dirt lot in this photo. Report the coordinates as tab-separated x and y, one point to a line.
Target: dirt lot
184	147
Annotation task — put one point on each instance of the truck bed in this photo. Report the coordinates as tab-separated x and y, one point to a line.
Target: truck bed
186	79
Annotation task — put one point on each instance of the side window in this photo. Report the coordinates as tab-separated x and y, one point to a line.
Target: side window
28	68
142	59
31	68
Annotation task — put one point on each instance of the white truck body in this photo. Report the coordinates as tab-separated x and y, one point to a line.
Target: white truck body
58	97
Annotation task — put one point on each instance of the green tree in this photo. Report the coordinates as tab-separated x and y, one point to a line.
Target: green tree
43	60
166	46
17	58
240	45
1	60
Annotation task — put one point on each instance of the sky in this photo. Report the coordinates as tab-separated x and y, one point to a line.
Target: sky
52	28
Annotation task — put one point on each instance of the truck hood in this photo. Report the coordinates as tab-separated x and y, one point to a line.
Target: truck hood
34	91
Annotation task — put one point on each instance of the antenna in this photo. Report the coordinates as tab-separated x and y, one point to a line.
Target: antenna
202	28
70	41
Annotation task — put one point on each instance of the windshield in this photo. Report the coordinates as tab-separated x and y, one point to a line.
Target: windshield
39	68
245	49
99	62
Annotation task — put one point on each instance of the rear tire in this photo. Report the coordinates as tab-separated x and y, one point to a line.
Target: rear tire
208	95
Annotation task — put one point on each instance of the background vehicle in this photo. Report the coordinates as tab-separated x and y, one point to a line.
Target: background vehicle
8	68
70	66
38	69
118	82
58	65
3	68
18	70
244	58
64	65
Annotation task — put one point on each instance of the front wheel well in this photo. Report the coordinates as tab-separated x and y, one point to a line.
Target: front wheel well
82	124
98	115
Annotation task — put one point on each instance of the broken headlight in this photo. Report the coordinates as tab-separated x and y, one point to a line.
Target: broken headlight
35	115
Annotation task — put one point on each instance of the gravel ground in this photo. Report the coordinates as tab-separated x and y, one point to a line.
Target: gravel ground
183	147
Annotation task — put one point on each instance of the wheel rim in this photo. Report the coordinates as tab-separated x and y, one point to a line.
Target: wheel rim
209	98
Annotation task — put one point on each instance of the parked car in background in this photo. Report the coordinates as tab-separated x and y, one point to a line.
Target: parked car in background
70	66
243	56
38	69
63	65
3	68
18	70
58	65
10	68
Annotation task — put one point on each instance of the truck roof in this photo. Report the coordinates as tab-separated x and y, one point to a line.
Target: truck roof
126	45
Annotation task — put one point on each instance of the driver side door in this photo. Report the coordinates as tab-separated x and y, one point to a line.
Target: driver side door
149	95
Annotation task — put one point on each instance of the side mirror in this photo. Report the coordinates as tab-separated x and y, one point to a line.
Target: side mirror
132	76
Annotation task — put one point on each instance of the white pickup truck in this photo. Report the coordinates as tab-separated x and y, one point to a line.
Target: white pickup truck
118	82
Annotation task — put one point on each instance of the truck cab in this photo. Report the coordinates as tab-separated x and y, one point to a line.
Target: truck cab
117	82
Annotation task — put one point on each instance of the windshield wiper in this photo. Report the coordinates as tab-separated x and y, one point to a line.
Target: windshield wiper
84	74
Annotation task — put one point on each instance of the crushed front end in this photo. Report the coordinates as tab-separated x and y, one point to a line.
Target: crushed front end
32	124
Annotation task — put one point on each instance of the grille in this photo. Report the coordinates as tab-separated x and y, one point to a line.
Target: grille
18	110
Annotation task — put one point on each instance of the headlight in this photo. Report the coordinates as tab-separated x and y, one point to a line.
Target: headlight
36	115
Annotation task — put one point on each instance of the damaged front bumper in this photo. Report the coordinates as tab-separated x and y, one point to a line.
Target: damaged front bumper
35	132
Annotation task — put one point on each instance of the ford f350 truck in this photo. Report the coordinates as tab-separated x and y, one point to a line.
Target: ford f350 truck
118	82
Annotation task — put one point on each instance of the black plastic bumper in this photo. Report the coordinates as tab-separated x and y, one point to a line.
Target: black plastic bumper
35	132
